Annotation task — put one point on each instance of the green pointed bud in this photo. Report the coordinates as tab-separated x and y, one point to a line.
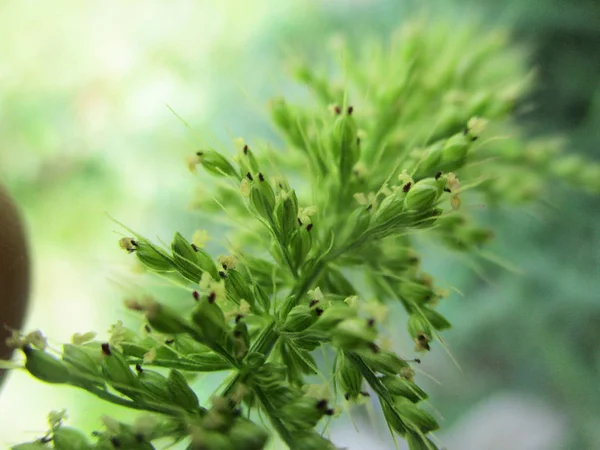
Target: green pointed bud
185	258
429	163
85	359
286	214
455	152
206	263
424	194
153	257
333	315
304	412
299	318
245	435
404	388
413	416
210	320
118	373
262	198
415	292
241	340
344	144
418	325
348	376
180	392
209	362
247	161
154	384
254	360
262	297
437	321
164	319
45	367
416	442
354	333
393	419
385	362
66	438
216	163
390	209
300	244
238	288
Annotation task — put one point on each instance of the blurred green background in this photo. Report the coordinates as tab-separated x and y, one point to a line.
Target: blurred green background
85	132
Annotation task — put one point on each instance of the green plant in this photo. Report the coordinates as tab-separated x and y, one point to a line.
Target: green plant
375	161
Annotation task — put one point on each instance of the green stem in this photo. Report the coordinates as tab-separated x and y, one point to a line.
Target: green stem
273	417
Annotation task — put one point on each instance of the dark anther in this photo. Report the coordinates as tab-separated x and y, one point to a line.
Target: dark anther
309	227
249	176
245	149
322	404
407	186
199	153
413	260
237	412
169	341
237	333
261	177
337	110
222	274
139	437
330	412
238	318
138	367
474	138
106	349
194	247
365	394
45	439
447	190
134	243
370	207
115	442
438	175
371	322
147	328
350	110
347	395
313	302
211	297
196	295
357	141
299	221
417	360
319	311
373	347
224	266
466	131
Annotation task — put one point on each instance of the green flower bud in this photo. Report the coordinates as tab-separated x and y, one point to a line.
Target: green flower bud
333	315
180	392
312	441
163	319
403	388
254	360
241	340
297	362
304	413
117	372
383	361
390	209
246	160
45	367
344	144
300	244
238	287
418	325
423	195
299	318
153	257
206	263
415	292
262	297
348	376
185	258
438	321
353	333
393	419
245	435
429	164
413	416
455	152
66	438
262	198
154	385
286	214
210	320
85	359
210	362
216	163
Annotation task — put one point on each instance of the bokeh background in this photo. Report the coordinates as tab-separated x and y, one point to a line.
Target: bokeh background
85	133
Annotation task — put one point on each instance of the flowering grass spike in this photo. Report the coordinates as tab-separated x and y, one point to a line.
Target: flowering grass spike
327	242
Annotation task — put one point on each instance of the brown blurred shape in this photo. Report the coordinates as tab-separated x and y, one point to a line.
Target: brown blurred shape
14	272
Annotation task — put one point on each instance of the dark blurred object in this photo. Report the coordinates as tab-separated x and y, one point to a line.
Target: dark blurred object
14	272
